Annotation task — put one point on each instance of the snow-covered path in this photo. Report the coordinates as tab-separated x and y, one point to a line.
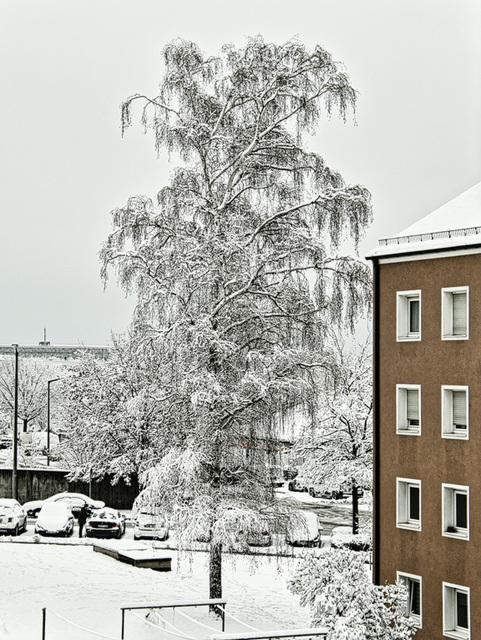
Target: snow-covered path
88	589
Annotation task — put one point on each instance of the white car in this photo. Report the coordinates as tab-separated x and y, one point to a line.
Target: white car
75	501
306	532
13	518
55	519
150	524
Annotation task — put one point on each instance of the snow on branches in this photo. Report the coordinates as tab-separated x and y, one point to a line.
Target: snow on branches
237	264
337	589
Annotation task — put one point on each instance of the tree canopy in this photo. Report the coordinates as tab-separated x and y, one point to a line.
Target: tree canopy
237	264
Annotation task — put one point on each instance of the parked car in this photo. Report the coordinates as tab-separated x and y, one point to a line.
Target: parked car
306	532
276	476
6	442
150	523
55	519
13	518
105	523
73	500
318	491
290	473
297	484
260	538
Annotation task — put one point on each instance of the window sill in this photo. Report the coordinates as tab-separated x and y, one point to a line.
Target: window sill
408	432
408	338
455	338
455	436
458	535
457	635
409	526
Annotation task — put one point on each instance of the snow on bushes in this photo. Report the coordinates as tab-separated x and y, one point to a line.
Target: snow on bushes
340	596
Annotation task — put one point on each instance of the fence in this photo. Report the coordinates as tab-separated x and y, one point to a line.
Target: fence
38	484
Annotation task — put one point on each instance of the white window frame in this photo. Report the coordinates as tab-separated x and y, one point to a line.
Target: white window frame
406	578
450	627
447	303
403	520
449	492
403	299
448	429
402	417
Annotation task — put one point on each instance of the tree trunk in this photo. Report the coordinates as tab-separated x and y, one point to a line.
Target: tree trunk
355	509
215	574
25	424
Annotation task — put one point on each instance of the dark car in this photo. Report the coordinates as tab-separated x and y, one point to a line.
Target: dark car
105	523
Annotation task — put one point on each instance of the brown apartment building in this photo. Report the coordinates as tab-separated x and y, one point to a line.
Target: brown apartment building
427	398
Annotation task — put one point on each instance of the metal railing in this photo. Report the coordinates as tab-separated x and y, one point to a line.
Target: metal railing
435	235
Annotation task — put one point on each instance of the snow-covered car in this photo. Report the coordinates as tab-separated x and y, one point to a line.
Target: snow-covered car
259	538
306	532
276	476
55	519
149	523
13	518
319	491
75	501
6	442
105	523
297	484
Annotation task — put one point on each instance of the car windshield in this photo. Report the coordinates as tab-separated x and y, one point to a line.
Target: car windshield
5	510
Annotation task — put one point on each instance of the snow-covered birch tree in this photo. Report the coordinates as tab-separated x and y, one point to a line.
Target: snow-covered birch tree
337	445
237	267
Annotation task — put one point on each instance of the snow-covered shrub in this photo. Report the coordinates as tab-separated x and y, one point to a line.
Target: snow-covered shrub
337	589
343	538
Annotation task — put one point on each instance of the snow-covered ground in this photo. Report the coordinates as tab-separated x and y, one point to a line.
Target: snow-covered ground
87	589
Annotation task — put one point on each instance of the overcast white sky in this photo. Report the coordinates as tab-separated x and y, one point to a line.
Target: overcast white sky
65	67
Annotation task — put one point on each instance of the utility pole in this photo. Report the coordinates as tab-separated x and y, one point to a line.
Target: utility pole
15	432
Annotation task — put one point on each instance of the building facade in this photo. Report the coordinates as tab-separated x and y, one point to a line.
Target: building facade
427	420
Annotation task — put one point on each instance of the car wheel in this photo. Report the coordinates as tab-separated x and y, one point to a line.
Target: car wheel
17	530
311	492
290	486
136	537
25	525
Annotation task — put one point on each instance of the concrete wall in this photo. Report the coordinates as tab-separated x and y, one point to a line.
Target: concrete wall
37	484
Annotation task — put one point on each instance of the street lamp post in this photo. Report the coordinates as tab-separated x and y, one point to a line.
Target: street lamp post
15	432
49	382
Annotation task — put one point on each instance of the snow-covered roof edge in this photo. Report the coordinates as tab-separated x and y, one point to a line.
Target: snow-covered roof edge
453	225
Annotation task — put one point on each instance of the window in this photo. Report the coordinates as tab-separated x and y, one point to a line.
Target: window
408	315
455	316
408	400
409	504
455	412
456	611
413	585
456	511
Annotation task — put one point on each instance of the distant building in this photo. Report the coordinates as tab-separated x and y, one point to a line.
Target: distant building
427	427
59	352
